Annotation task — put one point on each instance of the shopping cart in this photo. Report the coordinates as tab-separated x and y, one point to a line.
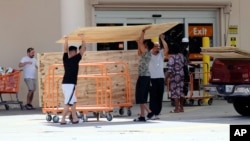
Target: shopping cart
9	84
198	93
52	94
195	87
53	103
122	97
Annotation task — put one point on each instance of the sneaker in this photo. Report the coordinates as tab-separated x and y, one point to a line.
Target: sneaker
31	106
27	107
150	115
156	117
140	119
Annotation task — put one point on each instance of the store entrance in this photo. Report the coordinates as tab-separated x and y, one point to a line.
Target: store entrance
193	29
173	36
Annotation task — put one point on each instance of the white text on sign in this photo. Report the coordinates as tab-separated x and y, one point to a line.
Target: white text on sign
240	132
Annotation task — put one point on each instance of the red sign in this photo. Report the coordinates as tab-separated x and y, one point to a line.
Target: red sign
200	31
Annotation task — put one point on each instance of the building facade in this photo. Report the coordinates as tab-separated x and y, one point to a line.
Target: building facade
39	24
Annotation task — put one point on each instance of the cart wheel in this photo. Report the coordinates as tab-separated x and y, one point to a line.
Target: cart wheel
129	112
191	102
7	107
200	102
55	119
79	115
109	116
172	102
121	111
48	117
84	118
210	101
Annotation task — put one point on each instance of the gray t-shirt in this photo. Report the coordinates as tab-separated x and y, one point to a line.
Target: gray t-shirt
156	65
144	63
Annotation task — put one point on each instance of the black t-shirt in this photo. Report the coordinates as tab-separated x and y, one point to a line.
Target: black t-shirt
71	66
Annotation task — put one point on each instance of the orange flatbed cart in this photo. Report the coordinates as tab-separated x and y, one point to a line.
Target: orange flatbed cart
103	103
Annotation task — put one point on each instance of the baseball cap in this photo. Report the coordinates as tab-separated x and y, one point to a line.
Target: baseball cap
185	40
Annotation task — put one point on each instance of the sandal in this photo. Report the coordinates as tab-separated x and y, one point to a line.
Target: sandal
75	122
174	111
63	123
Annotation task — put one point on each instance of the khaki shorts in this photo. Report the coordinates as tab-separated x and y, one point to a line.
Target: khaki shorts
31	83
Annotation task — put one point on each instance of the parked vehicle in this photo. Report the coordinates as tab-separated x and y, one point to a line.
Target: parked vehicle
230	78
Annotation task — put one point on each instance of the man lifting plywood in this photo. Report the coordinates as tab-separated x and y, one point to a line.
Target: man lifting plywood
107	34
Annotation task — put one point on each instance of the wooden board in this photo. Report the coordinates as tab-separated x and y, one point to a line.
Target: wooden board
219	49
226	55
86	88
226	52
117	33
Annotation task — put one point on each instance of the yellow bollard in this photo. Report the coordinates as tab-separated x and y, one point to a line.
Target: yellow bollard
206	66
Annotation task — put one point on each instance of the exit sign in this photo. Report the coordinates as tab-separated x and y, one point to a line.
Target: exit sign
200	31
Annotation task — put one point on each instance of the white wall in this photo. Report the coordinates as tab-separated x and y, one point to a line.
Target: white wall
28	23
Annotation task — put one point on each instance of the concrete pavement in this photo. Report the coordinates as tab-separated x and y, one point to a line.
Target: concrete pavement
197	123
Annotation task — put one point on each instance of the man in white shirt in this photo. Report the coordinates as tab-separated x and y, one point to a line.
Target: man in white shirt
156	68
29	65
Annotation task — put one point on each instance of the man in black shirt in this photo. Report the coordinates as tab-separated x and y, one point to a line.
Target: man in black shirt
71	61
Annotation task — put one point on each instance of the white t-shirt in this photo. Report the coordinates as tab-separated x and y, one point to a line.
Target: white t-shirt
29	70
156	65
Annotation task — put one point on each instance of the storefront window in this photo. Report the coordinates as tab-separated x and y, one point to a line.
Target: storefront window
172	37
132	44
111	45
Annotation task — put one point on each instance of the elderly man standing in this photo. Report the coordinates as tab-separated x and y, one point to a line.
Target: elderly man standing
156	68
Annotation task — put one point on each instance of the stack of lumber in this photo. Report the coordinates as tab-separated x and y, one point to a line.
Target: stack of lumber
226	52
86	88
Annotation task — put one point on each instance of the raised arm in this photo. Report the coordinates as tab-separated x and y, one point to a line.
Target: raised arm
164	43
66	44
141	46
83	48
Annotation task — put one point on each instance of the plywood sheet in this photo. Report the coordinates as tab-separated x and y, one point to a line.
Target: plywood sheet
219	49
86	89
226	55
226	52
117	33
